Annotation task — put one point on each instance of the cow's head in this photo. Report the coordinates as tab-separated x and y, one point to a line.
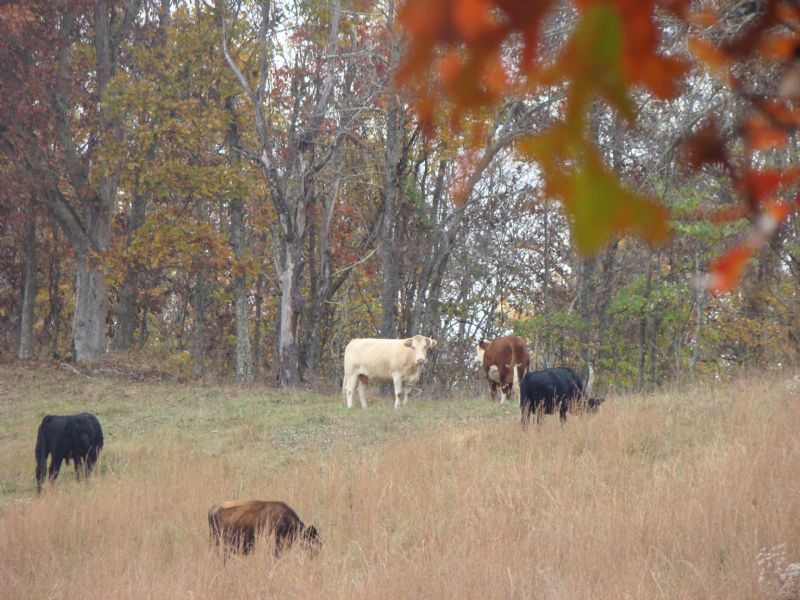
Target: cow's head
420	344
311	540
593	404
479	351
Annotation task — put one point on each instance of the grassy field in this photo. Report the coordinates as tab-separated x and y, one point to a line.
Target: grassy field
671	495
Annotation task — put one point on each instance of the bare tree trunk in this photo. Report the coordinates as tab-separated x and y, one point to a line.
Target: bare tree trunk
198	345
391	276
51	330
586	307
548	353
321	288
643	324
257	360
244	362
606	293
89	323
653	378
29	288
291	188
699	305
290	306
127	300
126	311
143	332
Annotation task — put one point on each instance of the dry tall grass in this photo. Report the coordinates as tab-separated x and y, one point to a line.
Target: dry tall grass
666	496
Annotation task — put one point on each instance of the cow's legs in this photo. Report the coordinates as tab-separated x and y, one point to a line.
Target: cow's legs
78	461
362	391
493	390
350	384
55	466
398	389
563	412
91	459
526	414
539	408
505	393
41	469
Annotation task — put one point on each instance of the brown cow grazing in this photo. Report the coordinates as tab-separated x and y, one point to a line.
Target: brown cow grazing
237	523
505	361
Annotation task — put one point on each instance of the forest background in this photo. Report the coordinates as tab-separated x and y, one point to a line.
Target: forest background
236	189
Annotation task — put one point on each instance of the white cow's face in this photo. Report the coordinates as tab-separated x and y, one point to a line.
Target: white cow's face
420	344
480	350
479	355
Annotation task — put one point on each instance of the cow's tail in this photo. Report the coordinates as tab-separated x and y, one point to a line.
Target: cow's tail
524	407
41	454
41	442
515	382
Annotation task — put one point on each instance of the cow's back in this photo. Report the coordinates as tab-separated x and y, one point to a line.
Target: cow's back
519	348
506	351
377	358
498	354
257	514
570	384
238	523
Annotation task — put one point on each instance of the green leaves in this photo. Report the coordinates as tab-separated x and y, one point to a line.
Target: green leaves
601	207
598	205
592	61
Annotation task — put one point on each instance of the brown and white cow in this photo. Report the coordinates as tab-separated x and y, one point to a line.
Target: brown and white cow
398	362
236	524
505	361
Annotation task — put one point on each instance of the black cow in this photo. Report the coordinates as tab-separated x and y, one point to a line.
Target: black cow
542	391
69	437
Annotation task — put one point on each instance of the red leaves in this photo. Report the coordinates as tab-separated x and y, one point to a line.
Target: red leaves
715	60
614	46
760	185
705	146
726	271
467	45
762	135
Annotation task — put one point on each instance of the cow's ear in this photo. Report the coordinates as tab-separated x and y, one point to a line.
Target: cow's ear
432	343
408	343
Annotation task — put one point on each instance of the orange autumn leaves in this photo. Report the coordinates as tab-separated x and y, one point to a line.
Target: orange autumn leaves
462	50
773	39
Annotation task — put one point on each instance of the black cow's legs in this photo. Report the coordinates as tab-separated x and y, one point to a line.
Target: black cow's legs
55	466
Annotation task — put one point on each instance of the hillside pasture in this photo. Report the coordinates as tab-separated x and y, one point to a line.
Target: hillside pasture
668	495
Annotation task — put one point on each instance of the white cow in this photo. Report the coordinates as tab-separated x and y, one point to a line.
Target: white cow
383	361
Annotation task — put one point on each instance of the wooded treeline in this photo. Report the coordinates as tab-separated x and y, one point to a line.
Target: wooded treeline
236	188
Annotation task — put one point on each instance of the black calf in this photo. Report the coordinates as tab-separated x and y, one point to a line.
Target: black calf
542	391
72	437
